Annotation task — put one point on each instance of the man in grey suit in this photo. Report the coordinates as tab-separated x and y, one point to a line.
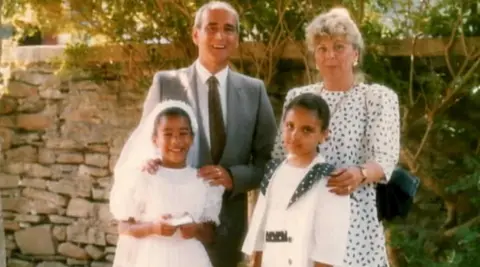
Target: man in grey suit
236	122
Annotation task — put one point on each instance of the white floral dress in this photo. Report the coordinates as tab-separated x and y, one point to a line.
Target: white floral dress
147	198
364	127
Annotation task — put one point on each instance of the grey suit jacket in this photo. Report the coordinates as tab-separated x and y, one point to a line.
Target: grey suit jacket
251	126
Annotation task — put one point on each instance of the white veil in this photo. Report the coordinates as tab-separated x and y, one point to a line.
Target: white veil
139	147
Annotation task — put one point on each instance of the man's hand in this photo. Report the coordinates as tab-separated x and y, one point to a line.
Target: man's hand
216	175
152	166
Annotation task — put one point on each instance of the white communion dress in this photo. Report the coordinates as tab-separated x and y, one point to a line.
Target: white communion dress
147	198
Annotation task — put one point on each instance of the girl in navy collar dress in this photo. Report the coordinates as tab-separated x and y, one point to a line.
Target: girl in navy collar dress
297	221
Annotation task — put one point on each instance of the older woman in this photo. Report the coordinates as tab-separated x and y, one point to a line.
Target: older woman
364	130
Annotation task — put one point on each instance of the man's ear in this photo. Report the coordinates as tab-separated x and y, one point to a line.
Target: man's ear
195	35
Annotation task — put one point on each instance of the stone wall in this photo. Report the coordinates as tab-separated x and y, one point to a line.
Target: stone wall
61	136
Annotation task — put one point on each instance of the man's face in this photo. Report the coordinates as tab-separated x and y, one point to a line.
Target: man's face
217	37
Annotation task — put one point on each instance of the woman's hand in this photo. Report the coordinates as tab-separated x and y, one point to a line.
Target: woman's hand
162	228
344	181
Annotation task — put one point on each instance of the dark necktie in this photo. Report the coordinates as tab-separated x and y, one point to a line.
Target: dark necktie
215	116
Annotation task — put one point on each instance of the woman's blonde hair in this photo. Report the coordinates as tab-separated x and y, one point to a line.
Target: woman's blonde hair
336	22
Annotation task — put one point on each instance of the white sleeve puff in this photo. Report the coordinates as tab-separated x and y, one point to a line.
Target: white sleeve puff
383	128
127	197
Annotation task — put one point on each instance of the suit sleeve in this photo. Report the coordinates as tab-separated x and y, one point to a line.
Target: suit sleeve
247	177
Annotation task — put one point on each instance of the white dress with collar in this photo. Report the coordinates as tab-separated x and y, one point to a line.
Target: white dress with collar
316	222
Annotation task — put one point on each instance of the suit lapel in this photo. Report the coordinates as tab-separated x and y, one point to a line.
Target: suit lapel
316	173
233	96
203	150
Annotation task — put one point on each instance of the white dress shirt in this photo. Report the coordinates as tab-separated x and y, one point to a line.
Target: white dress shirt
202	88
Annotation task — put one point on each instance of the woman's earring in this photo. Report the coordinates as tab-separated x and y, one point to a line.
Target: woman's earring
355	63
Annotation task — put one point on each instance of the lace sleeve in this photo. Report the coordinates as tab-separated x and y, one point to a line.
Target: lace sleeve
126	197
213	205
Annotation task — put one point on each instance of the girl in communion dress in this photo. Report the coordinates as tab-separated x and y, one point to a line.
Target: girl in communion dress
162	217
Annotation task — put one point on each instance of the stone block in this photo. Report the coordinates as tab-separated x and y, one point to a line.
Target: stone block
29	77
50	197
94	252
30	138
96	159
61	171
85	170
9	181
57	219
62	143
60	233
28	218
19	263
34	122
22	154
37	170
46	156
72	251
7	105
34	183
19	89
7	121
79	207
82	232
31	104
6	135
74	187
69	158
36	240
30	206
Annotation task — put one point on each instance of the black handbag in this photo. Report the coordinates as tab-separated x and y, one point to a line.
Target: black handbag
395	198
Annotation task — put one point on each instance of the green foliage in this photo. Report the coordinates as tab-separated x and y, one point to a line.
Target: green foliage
440	99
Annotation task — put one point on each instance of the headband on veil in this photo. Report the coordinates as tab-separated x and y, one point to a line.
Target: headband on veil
139	147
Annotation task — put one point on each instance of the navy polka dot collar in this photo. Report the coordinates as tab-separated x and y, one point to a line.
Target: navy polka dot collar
316	172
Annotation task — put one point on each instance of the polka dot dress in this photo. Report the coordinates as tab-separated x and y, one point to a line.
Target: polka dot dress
364	127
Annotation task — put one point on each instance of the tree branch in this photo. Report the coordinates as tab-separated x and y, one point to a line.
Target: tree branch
449	46
470	223
424	138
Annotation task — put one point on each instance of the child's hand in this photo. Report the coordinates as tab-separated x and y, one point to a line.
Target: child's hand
189	230
162	228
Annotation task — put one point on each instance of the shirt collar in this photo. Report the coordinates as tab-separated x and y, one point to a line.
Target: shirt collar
204	74
319	158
